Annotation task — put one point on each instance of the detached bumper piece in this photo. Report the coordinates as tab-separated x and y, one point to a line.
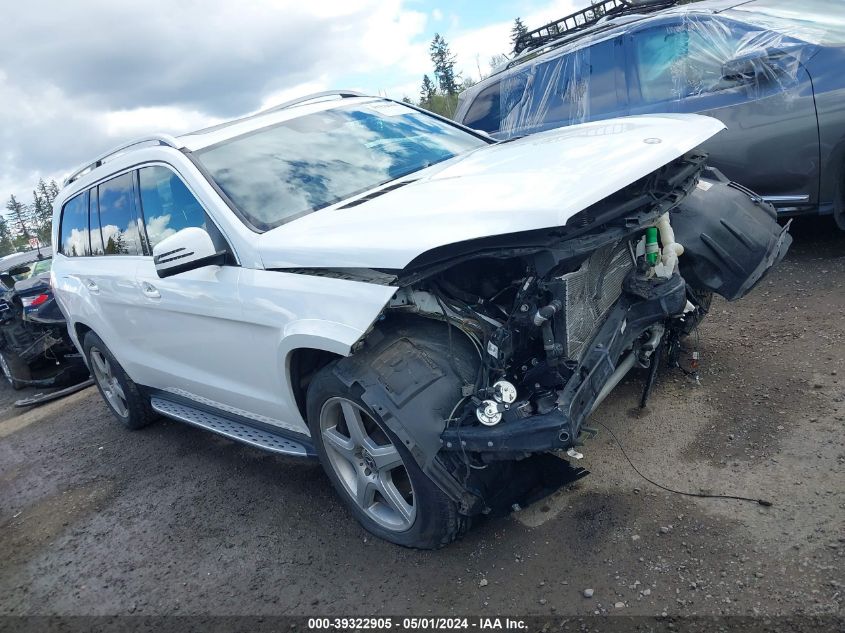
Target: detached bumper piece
642	304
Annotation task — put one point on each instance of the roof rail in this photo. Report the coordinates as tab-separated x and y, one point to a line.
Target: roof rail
343	94
161	139
584	18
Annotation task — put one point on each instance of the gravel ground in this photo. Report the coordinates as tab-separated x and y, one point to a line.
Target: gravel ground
173	520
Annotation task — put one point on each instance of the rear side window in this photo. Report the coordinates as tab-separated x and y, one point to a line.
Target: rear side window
74	227
167	204
572	88
118	220
484	112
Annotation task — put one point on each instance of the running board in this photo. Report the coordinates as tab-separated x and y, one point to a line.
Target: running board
239	431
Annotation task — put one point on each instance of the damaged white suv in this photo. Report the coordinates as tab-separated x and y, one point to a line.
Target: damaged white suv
426	310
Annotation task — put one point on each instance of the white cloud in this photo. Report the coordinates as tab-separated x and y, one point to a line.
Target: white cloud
83	76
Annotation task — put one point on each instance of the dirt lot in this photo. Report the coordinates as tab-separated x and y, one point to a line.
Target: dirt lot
172	520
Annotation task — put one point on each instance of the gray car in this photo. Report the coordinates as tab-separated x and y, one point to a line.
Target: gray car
771	70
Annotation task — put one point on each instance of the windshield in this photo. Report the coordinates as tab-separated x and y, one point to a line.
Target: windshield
282	172
41	266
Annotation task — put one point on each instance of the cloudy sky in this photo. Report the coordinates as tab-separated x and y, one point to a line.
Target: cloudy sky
77	78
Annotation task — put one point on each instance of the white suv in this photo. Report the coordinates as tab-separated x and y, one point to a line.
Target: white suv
427	311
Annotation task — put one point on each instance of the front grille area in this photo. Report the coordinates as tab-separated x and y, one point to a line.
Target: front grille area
588	294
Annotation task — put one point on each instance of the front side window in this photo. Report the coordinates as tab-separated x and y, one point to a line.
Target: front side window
167	204
74	227
695	57
281	172
118	220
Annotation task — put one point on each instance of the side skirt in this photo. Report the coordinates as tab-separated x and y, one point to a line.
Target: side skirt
235	427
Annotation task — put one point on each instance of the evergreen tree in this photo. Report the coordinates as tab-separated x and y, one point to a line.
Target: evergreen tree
20	216
6	245
42	208
444	66
519	29
427	91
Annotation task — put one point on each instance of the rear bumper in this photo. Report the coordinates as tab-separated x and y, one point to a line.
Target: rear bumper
642	305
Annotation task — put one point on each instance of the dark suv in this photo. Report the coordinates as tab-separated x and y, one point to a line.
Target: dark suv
772	70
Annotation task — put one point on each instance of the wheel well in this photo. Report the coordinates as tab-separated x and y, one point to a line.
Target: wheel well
81	330
303	364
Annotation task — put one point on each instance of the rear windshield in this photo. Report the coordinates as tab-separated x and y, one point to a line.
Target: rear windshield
282	172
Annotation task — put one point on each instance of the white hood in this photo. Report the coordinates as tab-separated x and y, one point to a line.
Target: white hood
536	182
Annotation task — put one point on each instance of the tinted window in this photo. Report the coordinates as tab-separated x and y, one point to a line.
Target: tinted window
281	172
167	203
42	266
566	89
118	221
484	112
74	231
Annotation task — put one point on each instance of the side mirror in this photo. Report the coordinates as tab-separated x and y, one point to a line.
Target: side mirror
742	69
185	250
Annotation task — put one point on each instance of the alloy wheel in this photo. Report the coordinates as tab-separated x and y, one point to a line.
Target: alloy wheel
4	366
368	464
112	391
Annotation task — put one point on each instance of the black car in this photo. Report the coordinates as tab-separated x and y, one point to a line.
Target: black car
773	71
35	348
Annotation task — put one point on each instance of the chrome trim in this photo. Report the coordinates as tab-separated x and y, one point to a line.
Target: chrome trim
777	199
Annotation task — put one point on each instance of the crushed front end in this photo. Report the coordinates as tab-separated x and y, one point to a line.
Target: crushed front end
557	318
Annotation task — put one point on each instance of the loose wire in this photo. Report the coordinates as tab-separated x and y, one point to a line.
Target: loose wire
762	502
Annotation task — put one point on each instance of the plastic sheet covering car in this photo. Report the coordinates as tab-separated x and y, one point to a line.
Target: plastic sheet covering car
685	55
770	70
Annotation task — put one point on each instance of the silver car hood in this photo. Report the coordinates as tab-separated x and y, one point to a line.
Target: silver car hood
535	182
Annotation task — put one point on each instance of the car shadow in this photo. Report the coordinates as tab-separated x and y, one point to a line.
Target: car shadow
816	237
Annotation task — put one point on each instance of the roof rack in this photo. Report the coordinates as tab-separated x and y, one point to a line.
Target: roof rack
584	18
160	139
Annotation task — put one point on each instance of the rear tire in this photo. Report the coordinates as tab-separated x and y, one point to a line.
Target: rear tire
15	370
368	465
121	395
839	201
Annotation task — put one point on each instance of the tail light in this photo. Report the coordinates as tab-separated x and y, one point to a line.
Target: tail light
33	302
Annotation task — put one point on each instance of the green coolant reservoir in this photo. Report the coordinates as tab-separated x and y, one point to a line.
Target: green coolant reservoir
652	250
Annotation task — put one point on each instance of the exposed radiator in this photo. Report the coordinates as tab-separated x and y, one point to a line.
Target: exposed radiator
588	294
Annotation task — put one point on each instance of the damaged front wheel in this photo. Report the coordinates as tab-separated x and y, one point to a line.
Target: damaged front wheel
375	475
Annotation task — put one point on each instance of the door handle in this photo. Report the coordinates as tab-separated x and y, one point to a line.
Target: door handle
150	290
92	286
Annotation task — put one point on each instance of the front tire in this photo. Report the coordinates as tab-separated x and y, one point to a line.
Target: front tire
374	474
121	395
